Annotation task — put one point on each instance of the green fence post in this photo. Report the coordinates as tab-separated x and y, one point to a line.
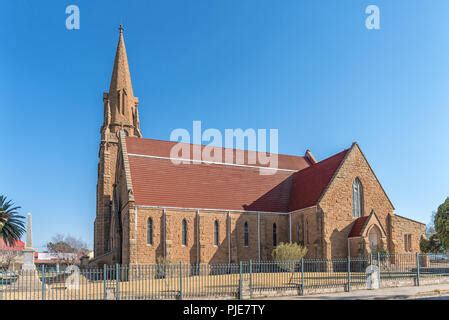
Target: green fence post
180	280
43	282
417	269
302	277
349	273
241	281
117	281
250	279
104	283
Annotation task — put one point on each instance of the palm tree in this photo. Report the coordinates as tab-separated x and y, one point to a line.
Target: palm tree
12	224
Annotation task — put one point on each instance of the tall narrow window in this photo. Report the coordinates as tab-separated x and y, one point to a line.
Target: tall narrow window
184	232
216	233
123	101
119	102
246	235
357	198
275	235
150	231
408	242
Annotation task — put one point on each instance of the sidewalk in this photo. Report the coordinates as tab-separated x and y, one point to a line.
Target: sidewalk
440	291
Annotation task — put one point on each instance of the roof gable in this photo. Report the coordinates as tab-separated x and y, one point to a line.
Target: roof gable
374	174
359	228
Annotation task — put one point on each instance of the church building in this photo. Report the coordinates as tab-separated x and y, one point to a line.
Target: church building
149	207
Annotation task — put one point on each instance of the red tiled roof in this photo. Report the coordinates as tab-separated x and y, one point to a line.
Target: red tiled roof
160	148
158	182
18	246
357	227
309	184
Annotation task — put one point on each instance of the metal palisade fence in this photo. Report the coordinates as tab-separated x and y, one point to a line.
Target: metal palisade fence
227	281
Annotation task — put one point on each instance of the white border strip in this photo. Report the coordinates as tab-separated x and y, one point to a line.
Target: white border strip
205	209
207	162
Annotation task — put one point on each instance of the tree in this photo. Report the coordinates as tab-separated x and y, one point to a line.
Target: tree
441	222
7	258
12	225
431	244
287	255
67	248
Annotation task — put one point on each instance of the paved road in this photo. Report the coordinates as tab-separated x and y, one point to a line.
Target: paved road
436	298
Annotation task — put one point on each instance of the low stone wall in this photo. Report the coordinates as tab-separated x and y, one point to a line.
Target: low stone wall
275	293
390	283
393	283
429	281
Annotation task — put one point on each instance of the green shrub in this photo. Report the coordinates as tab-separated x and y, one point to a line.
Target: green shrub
289	252
287	255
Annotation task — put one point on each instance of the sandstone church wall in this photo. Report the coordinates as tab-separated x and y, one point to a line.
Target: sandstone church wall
200	247
267	222
337	202
306	230
147	253
400	227
106	177
209	252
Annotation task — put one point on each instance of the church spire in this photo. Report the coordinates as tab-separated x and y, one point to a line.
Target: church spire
121	100
121	77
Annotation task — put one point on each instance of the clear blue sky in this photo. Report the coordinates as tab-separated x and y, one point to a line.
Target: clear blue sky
309	68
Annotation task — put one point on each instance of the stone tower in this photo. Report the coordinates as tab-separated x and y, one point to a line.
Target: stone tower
120	113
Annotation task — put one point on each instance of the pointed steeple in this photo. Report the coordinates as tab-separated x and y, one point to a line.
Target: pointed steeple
121	102
121	77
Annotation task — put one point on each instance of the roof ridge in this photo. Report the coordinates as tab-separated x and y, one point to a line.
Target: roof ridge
207	162
224	148
407	218
312	166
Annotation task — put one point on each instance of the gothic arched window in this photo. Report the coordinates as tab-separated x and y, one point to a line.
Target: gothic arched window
357	198
184	232
216	233
275	235
246	235
150	231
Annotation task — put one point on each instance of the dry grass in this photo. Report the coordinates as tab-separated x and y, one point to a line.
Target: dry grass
168	288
